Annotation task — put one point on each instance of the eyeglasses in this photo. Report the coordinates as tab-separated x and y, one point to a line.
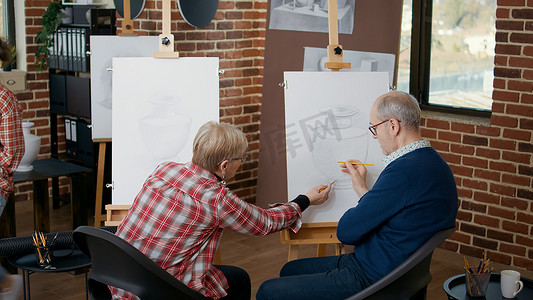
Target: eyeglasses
372	128
243	159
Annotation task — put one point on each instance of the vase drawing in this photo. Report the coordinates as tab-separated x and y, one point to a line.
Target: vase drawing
165	131
342	136
32	145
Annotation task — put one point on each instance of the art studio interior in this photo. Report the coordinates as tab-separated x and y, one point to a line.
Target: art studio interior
111	89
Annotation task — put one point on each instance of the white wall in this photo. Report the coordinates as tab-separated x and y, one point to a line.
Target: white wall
20	32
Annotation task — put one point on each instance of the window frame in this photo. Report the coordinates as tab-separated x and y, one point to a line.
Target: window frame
421	62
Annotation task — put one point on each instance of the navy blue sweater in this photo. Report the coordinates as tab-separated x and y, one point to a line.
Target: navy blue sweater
414	197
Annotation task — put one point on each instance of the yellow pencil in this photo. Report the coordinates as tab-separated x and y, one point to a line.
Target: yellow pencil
320	190
356	163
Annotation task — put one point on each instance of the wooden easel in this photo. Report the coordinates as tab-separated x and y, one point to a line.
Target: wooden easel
127	22
166	39
98	216
320	234
334	62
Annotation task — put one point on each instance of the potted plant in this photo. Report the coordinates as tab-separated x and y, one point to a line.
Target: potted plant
45	37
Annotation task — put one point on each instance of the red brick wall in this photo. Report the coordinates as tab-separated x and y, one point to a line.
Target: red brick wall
492	162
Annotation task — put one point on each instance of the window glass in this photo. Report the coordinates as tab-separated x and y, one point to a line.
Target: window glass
3	19
404	56
462	53
459	50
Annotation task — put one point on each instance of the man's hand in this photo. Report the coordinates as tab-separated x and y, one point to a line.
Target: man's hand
318	194
357	174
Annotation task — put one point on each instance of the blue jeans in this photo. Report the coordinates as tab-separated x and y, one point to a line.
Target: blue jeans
240	287
330	277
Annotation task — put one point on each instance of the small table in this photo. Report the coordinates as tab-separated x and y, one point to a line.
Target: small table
64	260
44	169
455	288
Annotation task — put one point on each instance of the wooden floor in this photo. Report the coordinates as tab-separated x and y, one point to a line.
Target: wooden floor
261	257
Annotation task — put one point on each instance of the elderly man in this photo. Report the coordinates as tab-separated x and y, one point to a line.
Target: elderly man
414	197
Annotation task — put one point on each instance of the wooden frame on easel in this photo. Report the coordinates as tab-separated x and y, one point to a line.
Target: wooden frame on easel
323	233
166	50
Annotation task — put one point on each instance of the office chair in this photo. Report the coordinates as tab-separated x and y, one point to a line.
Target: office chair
410	279
119	264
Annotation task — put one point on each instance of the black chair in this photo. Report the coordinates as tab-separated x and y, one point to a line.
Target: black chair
117	263
410	279
20	253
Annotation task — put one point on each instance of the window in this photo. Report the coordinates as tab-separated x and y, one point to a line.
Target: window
446	54
7	21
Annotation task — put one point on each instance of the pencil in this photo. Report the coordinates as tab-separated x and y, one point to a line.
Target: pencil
356	163
320	190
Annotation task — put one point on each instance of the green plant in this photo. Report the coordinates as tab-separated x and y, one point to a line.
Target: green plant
51	20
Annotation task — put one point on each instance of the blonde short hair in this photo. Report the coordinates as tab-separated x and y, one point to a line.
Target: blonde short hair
216	142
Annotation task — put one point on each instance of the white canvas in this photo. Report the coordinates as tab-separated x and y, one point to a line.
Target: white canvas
327	119
103	49
158	106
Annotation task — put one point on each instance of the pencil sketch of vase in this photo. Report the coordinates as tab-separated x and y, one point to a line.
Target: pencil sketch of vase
105	80
342	136
165	131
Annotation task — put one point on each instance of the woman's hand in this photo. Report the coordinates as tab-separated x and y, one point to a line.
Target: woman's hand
357	174
318	194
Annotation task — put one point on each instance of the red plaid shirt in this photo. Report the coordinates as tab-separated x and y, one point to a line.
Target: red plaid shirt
11	139
177	221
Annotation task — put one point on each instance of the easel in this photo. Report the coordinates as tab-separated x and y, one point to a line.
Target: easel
127	30
127	22
166	50
325	233
98	216
166	39
334	62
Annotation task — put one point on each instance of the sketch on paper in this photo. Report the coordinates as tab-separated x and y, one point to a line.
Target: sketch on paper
327	117
103	49
156	114
164	130
310	15
361	61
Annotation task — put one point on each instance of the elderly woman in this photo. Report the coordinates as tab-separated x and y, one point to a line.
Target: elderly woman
178	217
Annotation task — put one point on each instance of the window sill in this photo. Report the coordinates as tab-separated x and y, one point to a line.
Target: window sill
463	119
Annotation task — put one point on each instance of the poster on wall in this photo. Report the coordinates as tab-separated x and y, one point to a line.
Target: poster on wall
310	15
327	117
103	49
158	106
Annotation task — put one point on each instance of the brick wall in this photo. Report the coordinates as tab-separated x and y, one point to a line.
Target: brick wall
492	161
236	36
493	164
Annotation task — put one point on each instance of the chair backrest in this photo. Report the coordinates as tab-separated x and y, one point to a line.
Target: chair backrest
117	263
408	279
